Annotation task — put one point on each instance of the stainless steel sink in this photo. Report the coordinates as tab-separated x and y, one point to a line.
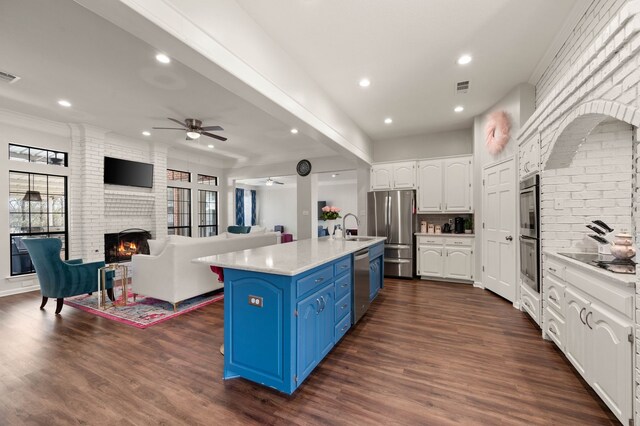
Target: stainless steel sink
359	238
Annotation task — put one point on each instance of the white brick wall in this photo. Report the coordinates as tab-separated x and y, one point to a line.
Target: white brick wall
594	76
597	185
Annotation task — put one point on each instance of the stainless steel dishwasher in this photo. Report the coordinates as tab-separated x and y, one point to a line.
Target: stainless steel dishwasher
361	286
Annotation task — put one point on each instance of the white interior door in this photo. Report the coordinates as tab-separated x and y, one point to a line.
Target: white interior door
499	218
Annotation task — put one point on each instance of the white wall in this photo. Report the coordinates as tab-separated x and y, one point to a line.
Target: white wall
277	205
340	194
518	104
443	144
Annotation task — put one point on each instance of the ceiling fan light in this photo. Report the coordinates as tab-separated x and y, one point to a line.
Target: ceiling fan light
193	135
269	182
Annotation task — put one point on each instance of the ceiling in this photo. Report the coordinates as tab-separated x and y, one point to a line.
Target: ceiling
325	178
408	49
63	51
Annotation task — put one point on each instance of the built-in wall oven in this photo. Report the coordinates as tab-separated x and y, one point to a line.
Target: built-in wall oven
530	232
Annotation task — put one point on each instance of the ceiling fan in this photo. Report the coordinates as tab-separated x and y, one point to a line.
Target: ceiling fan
270	182
194	129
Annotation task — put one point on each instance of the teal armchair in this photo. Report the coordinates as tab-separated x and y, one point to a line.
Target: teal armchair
59	278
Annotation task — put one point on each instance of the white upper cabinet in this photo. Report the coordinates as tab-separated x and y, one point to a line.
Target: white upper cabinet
457	185
445	185
404	175
430	186
393	176
381	176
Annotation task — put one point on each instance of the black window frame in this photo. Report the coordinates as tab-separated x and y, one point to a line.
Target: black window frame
173	213
202	203
48	151
174	172
209	179
64	233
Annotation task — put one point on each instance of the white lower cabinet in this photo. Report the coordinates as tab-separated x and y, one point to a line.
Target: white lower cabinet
445	257
596	338
457	263
430	261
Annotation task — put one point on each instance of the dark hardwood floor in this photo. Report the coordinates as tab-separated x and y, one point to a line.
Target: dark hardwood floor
426	353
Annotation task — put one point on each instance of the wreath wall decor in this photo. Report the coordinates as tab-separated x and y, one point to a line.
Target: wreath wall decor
497	131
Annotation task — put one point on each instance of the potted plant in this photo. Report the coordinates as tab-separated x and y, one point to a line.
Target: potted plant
330	214
468	225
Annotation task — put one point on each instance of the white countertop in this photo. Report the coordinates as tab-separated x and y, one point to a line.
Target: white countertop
452	235
289	258
627	280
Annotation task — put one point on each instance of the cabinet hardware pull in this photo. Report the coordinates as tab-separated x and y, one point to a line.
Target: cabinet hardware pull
319	280
553	299
318	309
345	327
552	331
580	314
324	305
440	207
586	320
344	306
344	266
344	285
552	269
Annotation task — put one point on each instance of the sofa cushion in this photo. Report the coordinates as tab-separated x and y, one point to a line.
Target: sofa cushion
257	230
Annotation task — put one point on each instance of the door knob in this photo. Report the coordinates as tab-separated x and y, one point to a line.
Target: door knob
508	238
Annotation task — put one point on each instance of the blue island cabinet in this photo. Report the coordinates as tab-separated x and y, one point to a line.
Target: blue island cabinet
277	328
376	270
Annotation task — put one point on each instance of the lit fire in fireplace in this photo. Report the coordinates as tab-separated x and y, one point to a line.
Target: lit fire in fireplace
127	248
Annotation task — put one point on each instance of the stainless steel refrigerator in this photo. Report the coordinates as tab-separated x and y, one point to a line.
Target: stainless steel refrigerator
391	214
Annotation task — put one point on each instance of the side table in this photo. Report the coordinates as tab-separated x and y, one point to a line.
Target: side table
102	279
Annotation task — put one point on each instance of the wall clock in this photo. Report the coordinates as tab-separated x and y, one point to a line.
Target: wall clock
303	168
497	131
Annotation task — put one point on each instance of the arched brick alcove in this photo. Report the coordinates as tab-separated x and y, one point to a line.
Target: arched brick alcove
578	124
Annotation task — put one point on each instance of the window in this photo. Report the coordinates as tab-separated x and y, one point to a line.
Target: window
37	155
208	210
247	208
179	211
177	175
207	180
37	208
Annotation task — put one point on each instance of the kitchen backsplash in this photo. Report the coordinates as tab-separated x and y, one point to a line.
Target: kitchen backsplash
442	218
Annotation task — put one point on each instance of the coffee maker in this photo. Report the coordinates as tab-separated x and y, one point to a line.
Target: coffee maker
458	225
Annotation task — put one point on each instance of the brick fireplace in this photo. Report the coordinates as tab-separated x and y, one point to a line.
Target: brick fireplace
120	246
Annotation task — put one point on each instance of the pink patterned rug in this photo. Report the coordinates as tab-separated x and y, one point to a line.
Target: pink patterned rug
142	313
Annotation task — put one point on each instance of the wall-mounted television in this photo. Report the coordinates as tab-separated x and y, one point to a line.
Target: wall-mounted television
127	173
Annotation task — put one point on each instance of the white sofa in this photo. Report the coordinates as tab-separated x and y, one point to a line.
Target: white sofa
168	273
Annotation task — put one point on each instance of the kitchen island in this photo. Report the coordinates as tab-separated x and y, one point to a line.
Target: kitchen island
287	305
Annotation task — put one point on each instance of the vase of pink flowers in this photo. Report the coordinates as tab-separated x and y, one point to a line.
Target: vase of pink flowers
330	214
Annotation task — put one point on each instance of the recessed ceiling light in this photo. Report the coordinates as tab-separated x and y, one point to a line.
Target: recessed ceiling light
459	109
64	103
210	146
364	82
162	58
335	175
388	120
294	131
146	133
464	59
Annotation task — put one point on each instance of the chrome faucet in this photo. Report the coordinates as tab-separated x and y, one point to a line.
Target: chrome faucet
344	218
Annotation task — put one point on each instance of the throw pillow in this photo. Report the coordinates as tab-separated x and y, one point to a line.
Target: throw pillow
257	230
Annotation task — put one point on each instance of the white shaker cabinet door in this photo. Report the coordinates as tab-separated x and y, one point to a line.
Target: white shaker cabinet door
404	175
457	184
458	263
576	330
430	186
431	262
610	362
381	176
